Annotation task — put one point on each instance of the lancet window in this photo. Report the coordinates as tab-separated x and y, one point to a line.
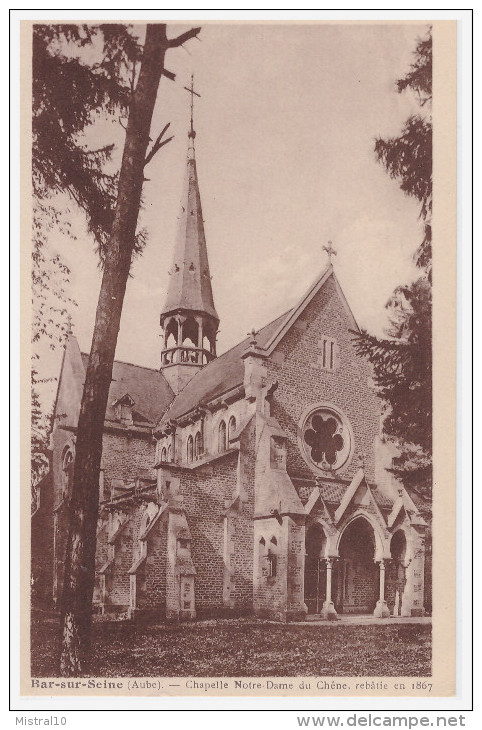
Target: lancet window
222	437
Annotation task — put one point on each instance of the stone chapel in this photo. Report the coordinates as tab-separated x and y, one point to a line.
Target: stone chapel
249	482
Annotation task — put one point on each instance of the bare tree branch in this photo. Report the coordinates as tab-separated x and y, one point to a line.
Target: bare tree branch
158	144
176	42
156	149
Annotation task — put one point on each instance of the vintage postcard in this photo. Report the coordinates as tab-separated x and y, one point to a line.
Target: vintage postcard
239	262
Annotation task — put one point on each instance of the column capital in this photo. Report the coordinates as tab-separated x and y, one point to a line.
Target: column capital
328	611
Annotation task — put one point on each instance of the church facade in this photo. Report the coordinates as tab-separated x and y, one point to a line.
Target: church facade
250	482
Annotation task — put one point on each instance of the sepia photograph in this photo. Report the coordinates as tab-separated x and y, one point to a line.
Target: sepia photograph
228	255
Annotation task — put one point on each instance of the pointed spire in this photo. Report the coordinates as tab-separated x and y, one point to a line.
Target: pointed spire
190	278
189	315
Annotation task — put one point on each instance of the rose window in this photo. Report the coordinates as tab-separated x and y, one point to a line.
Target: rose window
326	439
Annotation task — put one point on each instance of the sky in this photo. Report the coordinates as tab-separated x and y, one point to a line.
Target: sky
285	128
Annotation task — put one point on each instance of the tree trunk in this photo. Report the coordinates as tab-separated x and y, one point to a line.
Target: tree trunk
76	607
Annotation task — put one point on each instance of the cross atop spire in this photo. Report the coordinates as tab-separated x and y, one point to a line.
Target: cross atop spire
193	93
329	250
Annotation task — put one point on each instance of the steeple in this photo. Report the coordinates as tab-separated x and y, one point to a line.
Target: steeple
189	318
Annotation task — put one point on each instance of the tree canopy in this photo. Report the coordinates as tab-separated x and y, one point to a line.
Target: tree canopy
79	73
402	361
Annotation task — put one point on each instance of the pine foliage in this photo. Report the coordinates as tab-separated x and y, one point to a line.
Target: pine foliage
402	361
79	73
69	93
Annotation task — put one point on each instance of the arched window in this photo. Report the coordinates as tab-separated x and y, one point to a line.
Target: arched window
198	446
169	453
222	437
163	454
272	558
190	333
231	428
171	333
67	471
190	449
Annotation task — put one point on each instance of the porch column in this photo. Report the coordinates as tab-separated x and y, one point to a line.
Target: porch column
381	609
328	611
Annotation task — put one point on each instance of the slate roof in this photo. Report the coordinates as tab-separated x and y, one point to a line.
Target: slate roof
190	281
149	389
221	375
332	493
381	499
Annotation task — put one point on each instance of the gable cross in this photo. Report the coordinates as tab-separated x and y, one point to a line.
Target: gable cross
253	335
329	250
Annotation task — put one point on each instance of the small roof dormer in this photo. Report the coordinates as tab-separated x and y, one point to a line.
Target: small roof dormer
123	409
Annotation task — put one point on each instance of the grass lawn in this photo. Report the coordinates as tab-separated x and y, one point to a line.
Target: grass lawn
245	647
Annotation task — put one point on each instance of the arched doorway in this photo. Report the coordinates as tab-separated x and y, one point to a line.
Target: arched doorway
358	575
315	568
396	574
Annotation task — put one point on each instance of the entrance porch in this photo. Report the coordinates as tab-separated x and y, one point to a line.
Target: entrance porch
350	583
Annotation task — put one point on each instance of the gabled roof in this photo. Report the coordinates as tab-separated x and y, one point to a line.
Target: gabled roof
406	503
373	495
303	303
219	376
332	494
227	371
382	499
148	388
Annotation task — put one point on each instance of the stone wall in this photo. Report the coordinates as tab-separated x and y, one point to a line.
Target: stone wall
242	524
125	457
119	579
302	382
153	580
206	493
270	592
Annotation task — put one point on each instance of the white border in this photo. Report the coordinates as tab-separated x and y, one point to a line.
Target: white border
461	702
